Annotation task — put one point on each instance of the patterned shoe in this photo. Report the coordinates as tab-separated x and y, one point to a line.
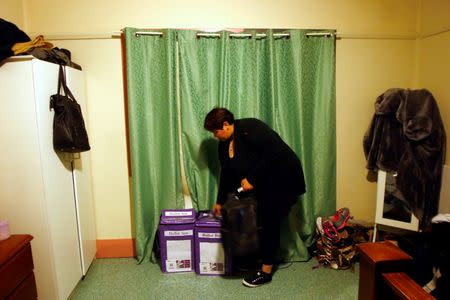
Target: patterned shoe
257	279
330	231
340	218
319	227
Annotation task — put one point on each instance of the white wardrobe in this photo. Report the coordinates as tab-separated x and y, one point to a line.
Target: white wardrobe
44	193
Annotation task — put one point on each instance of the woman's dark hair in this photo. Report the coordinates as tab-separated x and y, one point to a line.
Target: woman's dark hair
215	118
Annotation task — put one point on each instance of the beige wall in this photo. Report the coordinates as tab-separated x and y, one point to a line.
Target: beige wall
12	11
364	70
366	67
101	61
87	16
434	56
434	16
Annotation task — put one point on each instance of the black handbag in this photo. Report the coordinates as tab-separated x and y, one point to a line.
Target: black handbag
69	131
240	225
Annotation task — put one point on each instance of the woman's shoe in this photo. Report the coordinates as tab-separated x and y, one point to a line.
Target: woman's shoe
340	218
319	227
330	232
256	279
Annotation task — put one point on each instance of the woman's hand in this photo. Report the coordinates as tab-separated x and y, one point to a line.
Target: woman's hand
216	209
247	186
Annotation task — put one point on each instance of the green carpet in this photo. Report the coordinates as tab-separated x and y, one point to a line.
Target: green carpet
123	278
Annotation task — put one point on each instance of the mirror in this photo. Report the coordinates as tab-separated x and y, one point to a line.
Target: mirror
391	207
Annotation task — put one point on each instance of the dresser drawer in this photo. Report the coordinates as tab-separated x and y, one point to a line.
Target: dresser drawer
26	290
15	271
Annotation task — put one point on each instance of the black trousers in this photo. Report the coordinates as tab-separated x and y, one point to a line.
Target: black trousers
270	217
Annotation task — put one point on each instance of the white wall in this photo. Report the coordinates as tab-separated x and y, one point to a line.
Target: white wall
365	68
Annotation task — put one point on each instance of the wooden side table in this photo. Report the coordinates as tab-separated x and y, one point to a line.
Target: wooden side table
16	268
377	258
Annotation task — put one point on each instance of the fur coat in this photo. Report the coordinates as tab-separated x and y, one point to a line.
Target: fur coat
407	136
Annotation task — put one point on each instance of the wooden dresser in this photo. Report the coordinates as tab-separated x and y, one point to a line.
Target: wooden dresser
383	274
16	268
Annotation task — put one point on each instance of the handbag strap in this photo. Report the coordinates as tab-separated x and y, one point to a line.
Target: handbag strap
62	83
60	80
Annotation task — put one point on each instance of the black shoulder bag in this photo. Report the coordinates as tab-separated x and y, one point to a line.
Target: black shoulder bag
69	131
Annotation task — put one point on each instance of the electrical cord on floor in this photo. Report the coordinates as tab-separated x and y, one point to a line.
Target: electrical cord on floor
282	266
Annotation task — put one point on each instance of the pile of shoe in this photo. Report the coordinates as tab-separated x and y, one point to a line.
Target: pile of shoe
334	245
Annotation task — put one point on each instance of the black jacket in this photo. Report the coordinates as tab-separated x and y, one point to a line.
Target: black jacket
267	162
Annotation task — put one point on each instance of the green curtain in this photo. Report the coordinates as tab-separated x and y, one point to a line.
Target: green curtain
287	82
153	131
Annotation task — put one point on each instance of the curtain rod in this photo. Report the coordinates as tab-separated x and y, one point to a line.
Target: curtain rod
308	34
116	34
212	34
239	35
153	33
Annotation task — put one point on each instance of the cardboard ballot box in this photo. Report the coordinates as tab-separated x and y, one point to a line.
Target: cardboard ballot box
176	240
210	257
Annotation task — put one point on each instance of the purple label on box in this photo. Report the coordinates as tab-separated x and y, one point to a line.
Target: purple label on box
180	216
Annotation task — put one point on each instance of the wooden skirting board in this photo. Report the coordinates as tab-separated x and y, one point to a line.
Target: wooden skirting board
115	248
